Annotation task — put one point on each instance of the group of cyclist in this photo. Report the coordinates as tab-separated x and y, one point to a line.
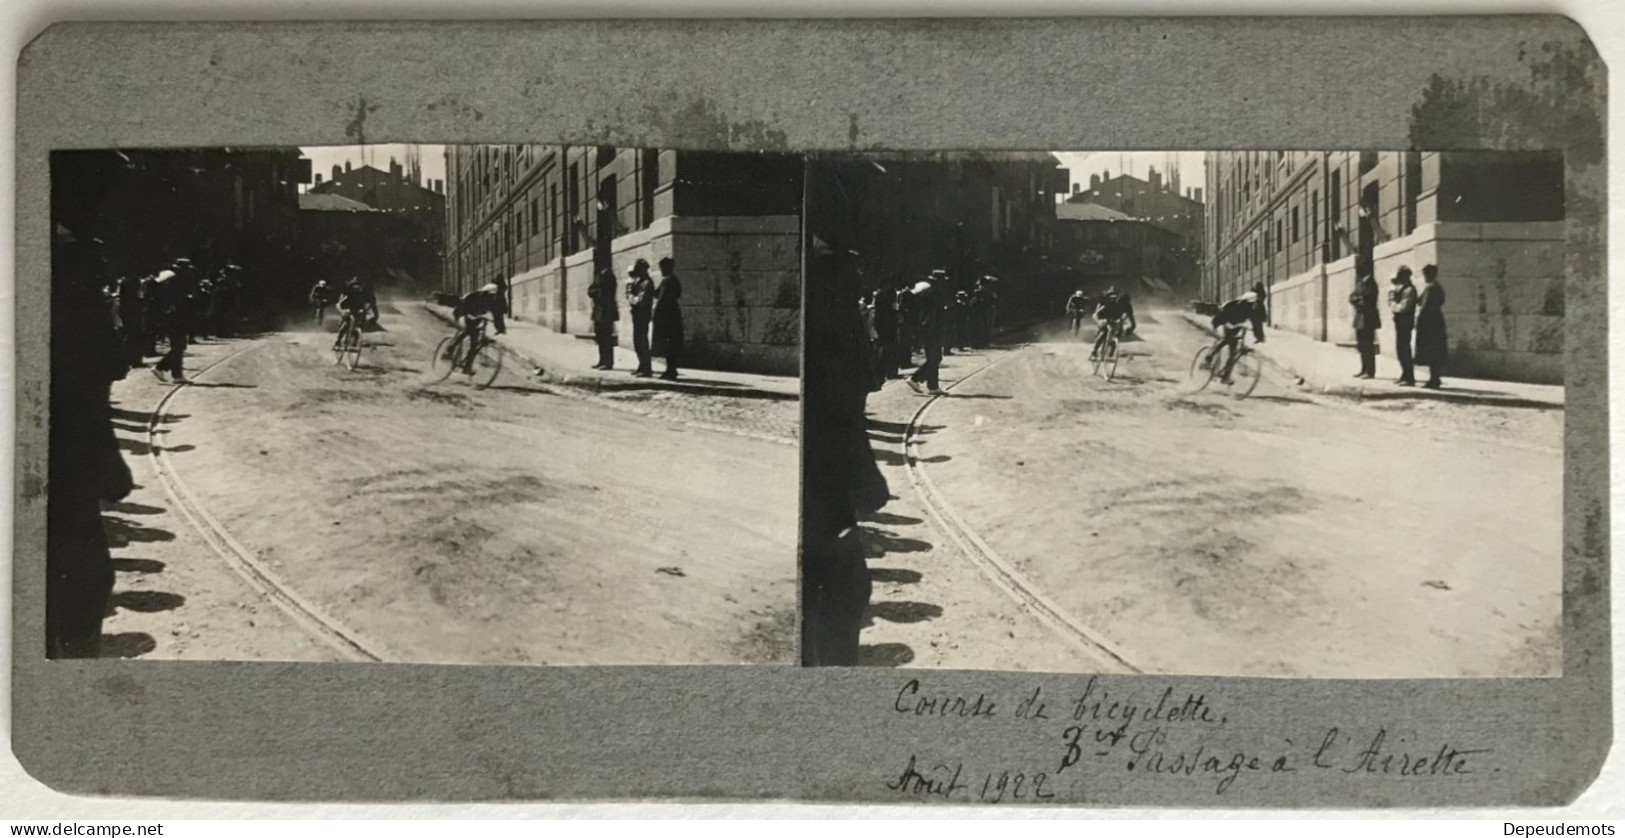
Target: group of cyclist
356	302
1113	313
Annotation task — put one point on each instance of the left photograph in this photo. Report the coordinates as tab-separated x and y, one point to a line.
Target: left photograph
498	404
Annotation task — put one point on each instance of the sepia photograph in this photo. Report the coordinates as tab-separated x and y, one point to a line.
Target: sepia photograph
1247	413
494	404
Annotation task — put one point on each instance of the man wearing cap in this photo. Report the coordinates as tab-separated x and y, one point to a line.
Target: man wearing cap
170	286
640	298
486	302
928	299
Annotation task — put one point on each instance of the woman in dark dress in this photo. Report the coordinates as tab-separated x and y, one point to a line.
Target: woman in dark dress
667	340
1432	346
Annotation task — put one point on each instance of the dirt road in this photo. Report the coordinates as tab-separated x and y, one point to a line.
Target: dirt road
1276	536
516	525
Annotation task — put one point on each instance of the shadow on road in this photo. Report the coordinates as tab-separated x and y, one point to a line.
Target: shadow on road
904	612
122	533
885	654
130	644
893	520
138	566
147	602
895	575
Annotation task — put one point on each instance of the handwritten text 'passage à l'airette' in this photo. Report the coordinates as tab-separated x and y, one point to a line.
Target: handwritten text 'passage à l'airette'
1155	737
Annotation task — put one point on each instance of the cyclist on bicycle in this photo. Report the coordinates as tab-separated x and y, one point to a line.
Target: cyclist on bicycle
1076	306
1231	323
470	313
358	301
321	296
1110	312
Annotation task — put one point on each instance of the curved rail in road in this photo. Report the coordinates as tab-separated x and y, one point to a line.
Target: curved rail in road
239	558
1004	575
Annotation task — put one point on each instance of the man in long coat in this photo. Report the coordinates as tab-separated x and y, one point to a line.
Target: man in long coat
1432	344
605	312
1366	322
667	341
1402	305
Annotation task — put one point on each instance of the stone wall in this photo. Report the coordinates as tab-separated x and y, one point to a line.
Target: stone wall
1503	284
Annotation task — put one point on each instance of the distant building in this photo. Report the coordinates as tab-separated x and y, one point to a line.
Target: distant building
1306	224
1171	257
400	192
545	219
340	238
1098	247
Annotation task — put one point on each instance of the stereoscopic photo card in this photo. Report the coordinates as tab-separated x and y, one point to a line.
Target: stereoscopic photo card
1063	412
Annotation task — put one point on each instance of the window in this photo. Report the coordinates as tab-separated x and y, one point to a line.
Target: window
1314	217
535	217
1294	225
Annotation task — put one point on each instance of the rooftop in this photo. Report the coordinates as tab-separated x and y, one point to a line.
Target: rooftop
322	202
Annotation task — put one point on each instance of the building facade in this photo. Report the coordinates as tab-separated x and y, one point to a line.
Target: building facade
544	220
340	238
1307	224
214	206
895	217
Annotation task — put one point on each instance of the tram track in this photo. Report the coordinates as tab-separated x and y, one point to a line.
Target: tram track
307	615
1004	575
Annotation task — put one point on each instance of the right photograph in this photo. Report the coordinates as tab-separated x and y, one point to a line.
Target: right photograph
1291	414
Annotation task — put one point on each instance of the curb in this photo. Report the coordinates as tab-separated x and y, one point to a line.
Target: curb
601	383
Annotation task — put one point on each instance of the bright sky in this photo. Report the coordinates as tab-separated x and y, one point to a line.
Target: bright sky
432	158
1137	163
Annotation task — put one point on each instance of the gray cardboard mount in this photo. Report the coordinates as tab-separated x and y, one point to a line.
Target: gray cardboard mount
267	731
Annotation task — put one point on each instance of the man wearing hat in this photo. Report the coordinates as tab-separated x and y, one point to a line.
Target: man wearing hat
928	298
640	298
1402	305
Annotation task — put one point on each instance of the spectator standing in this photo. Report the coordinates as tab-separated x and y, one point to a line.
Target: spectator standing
85	467
668	319
931	313
1402	305
1366	323
605	313
1432	344
640	298
885	308
172	309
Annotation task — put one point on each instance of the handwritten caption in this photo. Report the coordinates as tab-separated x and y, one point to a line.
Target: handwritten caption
1169	733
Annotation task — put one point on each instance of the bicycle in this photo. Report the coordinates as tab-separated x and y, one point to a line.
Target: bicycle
452	353
1104	353
347	345
1241	371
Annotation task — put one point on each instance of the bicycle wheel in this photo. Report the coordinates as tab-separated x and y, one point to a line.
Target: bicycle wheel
340	343
487	363
350	350
447	355
1245	375
1108	358
1202	368
1096	352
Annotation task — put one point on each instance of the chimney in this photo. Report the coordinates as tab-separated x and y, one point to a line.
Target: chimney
1156	180
394	168
1076	188
336	171
1094	182
1196	195
346	165
318	178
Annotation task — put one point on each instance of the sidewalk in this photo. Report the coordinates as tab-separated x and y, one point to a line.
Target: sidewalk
567	360
1329	369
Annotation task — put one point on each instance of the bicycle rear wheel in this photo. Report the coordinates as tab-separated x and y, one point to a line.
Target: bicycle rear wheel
1202	368
447	355
1245	375
487	364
